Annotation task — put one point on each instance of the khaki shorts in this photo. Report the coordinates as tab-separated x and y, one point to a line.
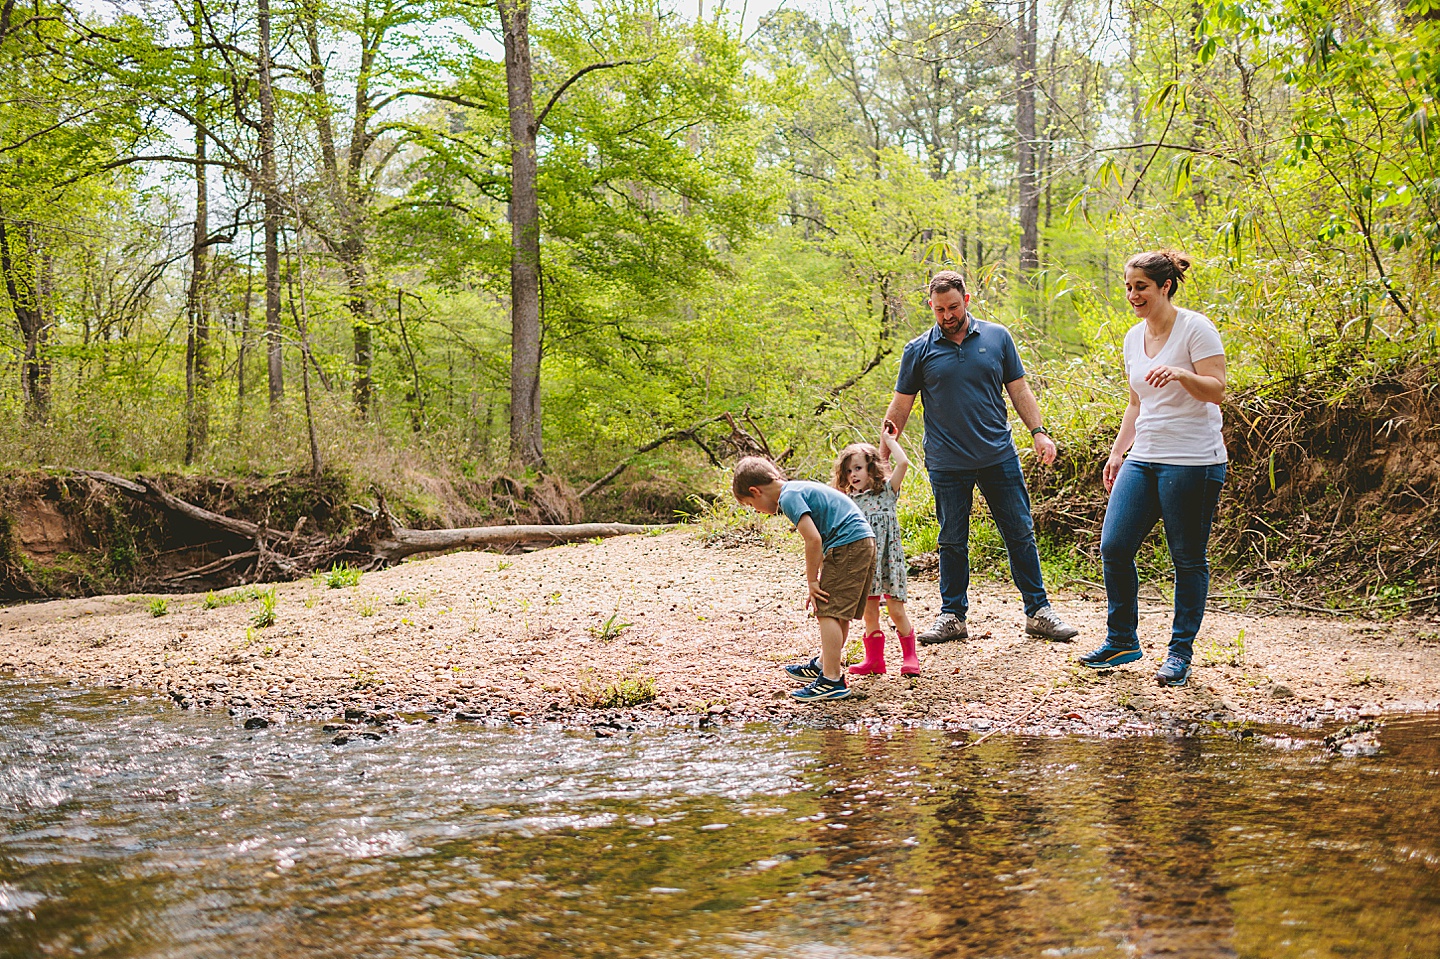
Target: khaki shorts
846	574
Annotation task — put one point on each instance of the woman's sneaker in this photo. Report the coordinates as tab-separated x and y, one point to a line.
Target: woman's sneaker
805	672
948	628
822	689
1108	656
1173	672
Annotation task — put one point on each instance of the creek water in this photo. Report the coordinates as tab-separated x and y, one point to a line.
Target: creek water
129	828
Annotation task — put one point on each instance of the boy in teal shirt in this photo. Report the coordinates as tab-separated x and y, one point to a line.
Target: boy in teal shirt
839	548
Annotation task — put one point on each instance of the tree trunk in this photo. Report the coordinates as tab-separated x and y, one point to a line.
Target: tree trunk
525	442
1026	66
270	187
19	268
352	260
197	413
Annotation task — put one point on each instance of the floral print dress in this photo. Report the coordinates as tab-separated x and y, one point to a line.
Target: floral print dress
879	509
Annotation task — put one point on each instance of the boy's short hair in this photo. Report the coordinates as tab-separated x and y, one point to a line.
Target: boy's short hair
754	471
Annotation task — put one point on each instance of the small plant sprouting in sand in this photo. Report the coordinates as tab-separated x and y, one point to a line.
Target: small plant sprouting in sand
159	606
364	678
310	602
854	652
1365	678
367	604
611	629
265	615
1231	653
418	599
625	690
503	565
215	600
342	575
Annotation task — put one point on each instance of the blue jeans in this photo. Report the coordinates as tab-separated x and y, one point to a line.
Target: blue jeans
1184	497
1004	488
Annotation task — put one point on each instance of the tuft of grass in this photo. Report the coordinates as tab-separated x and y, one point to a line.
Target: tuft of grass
627	689
367	605
342	575
503	565
611	629
159	606
244	594
1230	653
853	653
724	522
265	615
1365	678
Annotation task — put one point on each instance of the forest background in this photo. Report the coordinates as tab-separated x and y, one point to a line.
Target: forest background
442	247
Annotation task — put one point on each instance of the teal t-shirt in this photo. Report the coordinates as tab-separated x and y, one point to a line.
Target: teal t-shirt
834	514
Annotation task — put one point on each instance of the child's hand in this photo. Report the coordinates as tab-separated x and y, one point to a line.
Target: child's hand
817	595
888	428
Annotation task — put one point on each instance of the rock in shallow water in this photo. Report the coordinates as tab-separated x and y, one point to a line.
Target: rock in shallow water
256	722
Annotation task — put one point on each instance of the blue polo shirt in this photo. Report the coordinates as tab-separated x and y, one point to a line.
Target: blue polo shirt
962	387
834	514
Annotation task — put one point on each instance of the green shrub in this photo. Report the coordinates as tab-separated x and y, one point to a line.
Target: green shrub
342	575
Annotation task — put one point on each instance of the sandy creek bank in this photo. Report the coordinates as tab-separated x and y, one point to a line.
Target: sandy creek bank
480	637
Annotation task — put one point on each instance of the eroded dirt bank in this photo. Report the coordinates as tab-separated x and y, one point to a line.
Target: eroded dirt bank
524	639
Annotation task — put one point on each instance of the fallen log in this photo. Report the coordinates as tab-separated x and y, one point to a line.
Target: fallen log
407	542
283	554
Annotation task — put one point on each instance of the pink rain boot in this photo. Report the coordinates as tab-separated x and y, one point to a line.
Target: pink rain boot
874	662
909	661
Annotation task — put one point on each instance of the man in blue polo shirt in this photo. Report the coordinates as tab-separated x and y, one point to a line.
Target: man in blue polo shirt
962	368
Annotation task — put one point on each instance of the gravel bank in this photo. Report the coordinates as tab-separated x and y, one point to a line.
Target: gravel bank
480	637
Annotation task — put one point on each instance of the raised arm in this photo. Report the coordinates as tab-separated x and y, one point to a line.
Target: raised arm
896	454
1206	384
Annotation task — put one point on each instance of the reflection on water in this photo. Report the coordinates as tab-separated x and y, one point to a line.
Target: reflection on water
128	829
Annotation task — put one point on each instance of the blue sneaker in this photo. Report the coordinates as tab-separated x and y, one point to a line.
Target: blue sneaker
1108	656
1173	672
805	672
822	689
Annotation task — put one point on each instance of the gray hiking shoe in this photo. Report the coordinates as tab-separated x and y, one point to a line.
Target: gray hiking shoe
1047	624
947	628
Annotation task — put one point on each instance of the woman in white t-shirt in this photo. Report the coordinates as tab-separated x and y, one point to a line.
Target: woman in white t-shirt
1175	363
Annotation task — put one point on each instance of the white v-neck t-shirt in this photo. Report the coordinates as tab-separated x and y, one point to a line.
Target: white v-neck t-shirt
1174	427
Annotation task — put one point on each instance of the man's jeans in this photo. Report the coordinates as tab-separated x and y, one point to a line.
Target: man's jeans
1184	497
1003	486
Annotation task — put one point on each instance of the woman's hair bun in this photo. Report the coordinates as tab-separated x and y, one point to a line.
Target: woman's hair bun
1180	261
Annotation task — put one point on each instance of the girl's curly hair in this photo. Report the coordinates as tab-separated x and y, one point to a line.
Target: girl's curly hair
873	467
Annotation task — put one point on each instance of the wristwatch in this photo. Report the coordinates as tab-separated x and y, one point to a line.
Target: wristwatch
1038	430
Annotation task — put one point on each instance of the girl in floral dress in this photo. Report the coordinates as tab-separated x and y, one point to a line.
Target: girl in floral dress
872	477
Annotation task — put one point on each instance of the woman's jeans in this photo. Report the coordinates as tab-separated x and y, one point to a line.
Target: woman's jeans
1184	497
1004	488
